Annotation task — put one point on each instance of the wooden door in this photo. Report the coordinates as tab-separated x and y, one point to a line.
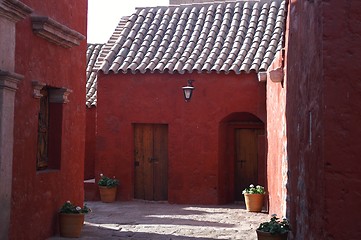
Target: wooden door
151	161
246	159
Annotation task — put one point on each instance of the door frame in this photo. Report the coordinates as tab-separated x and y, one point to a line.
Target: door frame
231	127
153	169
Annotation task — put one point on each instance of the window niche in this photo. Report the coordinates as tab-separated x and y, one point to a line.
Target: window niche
50	121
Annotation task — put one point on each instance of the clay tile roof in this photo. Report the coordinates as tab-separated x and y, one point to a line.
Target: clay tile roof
95	56
238	36
92	56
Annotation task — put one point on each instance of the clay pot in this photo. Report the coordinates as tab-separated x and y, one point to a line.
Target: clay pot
107	195
70	225
268	236
254	202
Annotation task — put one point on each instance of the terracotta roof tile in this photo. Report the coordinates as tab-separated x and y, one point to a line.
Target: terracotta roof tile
93	54
239	36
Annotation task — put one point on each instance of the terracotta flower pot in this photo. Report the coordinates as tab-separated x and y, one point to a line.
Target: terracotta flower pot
254	202
107	195
268	236
70	225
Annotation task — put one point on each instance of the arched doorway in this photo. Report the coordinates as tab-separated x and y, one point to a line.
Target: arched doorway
243	160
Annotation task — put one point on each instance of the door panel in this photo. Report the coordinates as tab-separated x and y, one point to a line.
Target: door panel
151	161
246	160
143	169
160	164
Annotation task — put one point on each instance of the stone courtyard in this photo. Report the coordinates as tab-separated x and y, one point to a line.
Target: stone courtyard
139	220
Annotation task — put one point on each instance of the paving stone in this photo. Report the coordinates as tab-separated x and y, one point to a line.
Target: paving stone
138	220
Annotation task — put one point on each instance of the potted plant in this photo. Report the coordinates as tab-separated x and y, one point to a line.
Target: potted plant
71	219
254	197
274	229
107	188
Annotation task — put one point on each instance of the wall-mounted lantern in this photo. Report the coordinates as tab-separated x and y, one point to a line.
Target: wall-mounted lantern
188	90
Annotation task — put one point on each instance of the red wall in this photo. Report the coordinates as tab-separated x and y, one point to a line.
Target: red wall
38	195
90	143
342	118
193	128
305	121
277	143
298	191
321	107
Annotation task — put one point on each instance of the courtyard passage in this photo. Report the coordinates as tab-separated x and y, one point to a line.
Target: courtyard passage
139	220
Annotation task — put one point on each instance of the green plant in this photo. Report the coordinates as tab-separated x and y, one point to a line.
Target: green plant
69	207
275	226
107	182
254	189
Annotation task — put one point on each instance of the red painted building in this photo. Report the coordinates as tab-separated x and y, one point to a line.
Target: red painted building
313	122
160	147
42	115
195	138
300	126
308	107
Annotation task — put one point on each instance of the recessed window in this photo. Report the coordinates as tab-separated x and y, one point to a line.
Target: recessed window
43	131
50	125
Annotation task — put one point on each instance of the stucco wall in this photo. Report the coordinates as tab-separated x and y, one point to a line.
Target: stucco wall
38	195
277	142
193	127
322	119
90	140
304	119
341	118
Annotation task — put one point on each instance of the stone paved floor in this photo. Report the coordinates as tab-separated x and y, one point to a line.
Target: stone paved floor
138	220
